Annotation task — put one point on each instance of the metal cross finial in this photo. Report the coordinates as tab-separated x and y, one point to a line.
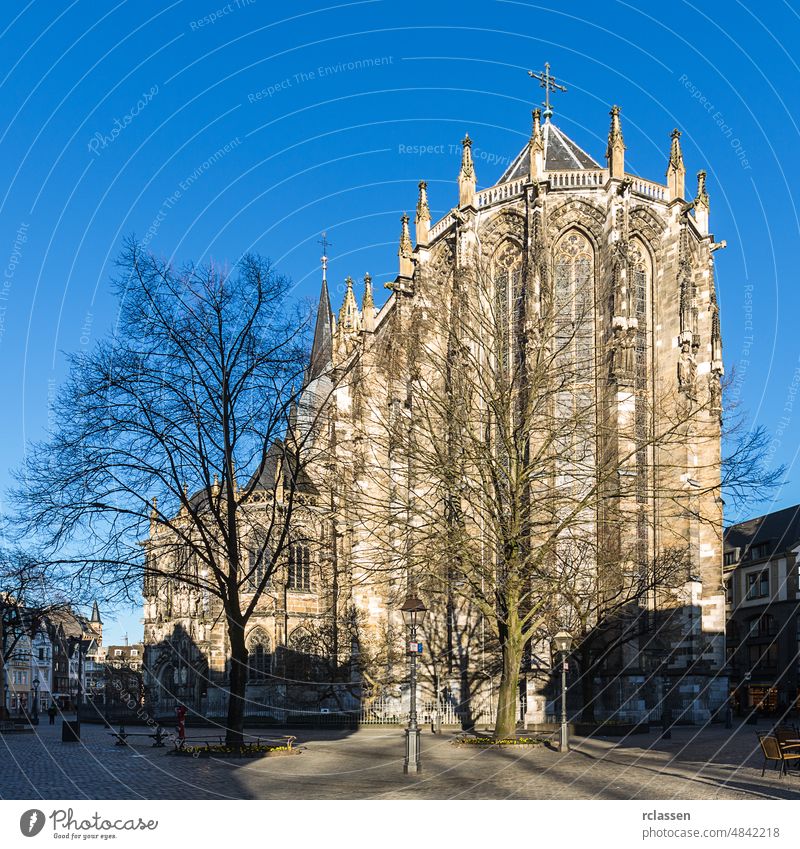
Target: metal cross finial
325	245
548	83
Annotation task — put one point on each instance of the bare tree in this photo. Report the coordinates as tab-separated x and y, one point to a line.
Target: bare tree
29	594
187	433
506	481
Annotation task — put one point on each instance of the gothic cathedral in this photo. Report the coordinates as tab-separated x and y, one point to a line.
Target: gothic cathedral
634	261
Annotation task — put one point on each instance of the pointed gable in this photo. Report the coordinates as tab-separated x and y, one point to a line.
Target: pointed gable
561	153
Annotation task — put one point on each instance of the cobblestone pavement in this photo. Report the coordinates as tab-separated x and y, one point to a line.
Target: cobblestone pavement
697	763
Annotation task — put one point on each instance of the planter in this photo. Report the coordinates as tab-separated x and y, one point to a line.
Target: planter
491	742
224	753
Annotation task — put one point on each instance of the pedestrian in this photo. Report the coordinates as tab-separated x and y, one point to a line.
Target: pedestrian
51	712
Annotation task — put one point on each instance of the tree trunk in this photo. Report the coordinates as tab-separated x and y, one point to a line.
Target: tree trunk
234	735
512	648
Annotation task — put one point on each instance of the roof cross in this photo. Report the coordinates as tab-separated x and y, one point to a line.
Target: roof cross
548	83
325	245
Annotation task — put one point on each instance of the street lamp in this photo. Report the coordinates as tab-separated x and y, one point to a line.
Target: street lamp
35	711
666	720
414	613
562	643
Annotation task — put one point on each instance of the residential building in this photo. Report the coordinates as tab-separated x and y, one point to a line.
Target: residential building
763	611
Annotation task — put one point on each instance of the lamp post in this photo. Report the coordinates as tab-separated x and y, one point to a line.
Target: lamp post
666	729
562	643
414	613
35	711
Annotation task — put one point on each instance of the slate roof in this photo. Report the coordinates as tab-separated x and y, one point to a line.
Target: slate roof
560	154
322	347
780	529
265	476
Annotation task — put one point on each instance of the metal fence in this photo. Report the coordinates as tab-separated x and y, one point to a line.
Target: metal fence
376	712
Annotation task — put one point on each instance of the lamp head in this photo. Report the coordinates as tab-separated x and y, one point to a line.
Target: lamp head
562	642
414	611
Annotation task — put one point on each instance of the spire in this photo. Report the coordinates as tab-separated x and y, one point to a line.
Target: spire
96	614
536	146
405	250
423	217
615	152
368	305
466	177
348	315
676	171
701	205
322	346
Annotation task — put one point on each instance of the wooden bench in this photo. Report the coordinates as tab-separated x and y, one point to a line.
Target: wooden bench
287	740
11	727
122	736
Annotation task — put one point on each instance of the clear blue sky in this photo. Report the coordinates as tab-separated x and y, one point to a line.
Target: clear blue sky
212	129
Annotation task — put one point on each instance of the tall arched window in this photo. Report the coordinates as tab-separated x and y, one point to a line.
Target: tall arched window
301	656
259	657
299	567
574	359
257	565
641	276
507	301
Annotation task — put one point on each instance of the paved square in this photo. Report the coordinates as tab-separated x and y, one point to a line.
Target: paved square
711	763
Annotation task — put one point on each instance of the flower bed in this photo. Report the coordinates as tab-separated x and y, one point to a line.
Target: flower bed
254	751
493	741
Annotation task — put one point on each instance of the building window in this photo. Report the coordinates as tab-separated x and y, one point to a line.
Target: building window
767	626
508	303
730	557
573	359
760	551
302	661
257	569
259	658
299	568
757	585
764	656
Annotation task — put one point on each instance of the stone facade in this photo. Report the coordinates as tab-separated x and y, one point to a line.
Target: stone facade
646	252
